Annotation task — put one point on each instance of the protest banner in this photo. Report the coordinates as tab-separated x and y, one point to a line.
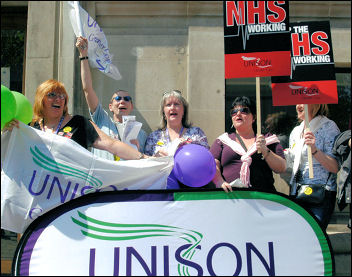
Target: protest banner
257	41
41	170
98	50
312	79
176	233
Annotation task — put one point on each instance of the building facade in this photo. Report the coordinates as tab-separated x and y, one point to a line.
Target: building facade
160	46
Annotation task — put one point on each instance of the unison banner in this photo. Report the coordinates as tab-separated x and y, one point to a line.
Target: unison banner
40	171
257	38
168	233
312	79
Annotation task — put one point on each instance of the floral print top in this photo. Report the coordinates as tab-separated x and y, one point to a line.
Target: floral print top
160	139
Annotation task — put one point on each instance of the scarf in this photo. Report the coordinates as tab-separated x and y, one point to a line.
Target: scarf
245	156
315	124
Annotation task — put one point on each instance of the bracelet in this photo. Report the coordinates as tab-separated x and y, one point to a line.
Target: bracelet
263	158
83	58
316	151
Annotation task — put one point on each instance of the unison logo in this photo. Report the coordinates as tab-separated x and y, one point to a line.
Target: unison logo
300	90
183	254
256	62
108	231
49	164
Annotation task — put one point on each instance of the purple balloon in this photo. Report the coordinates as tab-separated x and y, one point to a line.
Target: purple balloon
194	165
172	182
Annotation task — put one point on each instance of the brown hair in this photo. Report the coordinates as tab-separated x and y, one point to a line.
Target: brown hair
42	90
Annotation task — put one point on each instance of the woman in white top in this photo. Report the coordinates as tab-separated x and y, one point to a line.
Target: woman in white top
320	138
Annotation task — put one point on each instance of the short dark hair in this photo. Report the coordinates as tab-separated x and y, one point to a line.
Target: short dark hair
245	101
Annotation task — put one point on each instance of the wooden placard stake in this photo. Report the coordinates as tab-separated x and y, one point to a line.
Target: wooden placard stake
259	127
306	124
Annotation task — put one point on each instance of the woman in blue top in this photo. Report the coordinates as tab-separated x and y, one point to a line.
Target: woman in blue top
320	137
174	127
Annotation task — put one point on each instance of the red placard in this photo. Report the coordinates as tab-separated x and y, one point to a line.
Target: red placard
312	80
257	39
311	92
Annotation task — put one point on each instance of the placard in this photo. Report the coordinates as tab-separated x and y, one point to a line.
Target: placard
312	79
257	38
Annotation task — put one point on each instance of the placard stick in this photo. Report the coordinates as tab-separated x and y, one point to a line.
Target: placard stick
306	124
259	127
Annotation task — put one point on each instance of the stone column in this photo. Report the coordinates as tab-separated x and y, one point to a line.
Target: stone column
206	83
50	47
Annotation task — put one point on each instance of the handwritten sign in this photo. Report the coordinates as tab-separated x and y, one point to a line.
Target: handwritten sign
312	79
98	49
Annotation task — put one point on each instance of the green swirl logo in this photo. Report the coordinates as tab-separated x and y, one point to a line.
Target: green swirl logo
102	230
49	164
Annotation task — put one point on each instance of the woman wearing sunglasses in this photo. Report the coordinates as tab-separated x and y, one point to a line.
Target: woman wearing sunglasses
120	105
238	162
50	114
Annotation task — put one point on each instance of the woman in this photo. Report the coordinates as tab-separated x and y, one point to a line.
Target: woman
51	115
174	132
236	156
320	137
174	125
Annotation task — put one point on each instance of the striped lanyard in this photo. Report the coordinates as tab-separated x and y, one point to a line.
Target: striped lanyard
58	126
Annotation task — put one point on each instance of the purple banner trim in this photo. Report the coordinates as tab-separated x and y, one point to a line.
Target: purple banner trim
103	197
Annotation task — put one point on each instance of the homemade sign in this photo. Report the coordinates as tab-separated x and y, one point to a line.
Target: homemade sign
98	50
312	79
163	233
257	39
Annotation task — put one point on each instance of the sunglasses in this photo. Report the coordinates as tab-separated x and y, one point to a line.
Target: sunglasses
53	95
173	91
242	110
126	98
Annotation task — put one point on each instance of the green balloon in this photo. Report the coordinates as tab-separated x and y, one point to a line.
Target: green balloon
24	111
8	106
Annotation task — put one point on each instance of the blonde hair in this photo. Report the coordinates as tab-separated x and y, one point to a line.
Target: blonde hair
177	94
319	109
43	89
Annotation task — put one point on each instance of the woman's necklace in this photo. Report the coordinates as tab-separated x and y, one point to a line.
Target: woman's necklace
168	135
58	126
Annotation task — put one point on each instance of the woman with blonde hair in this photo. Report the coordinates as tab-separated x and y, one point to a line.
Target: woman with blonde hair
174	125
320	137
51	115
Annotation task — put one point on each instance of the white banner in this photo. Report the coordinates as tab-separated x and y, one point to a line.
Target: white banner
193	233
40	171
98	50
